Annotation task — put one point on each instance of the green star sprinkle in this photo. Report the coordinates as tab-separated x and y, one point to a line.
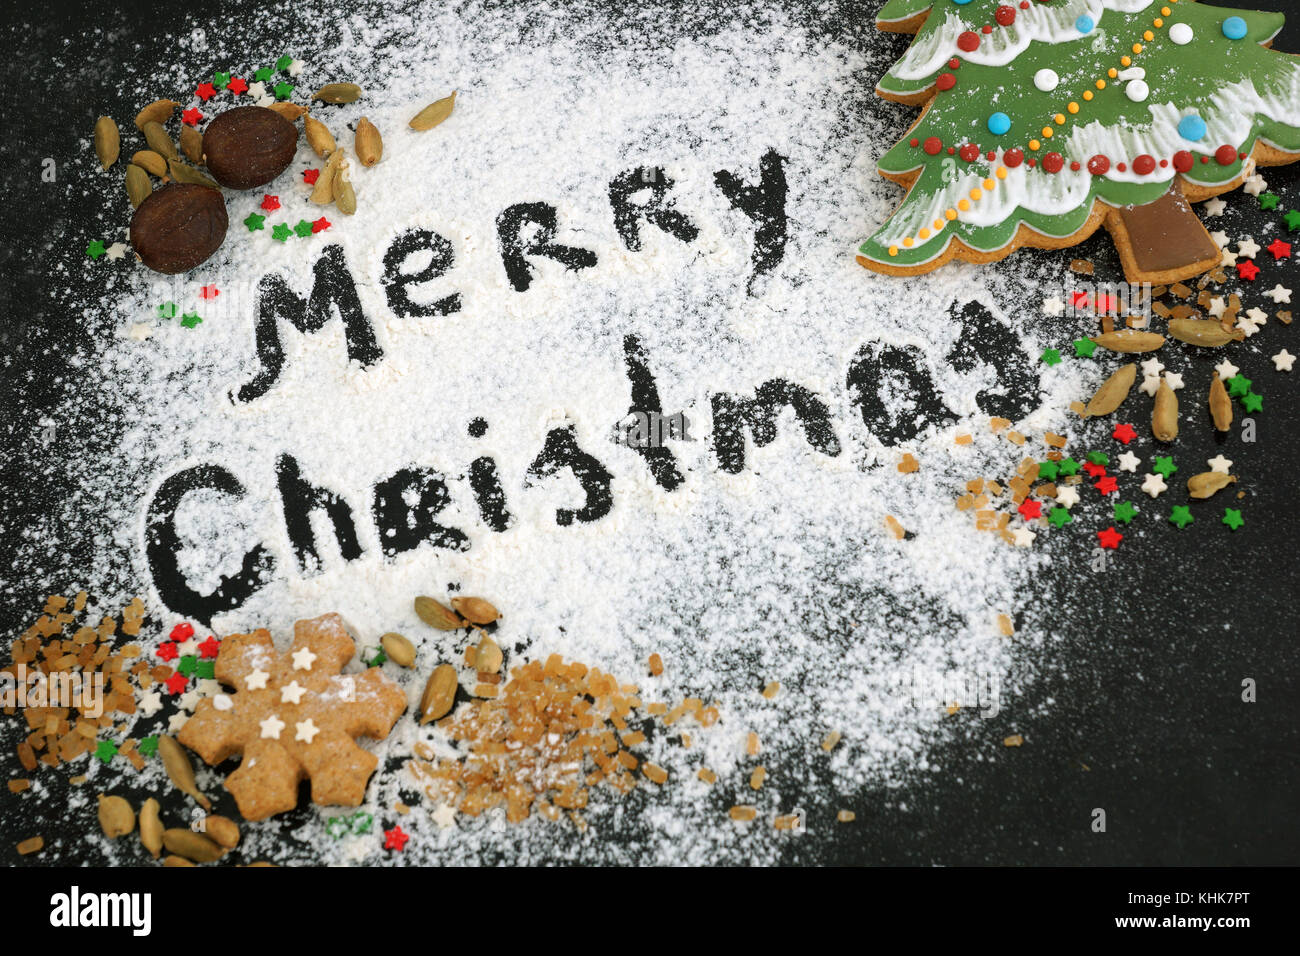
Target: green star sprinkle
167	310
1068	466
283	62
206	670
1268	200
1083	348
1048	470
1232	518
361	822
379	658
1058	517
190	320
1238	386
1051	356
95	249
188	664
1098	458
107	750
1252	402
1163	465
283	89
149	746
1125	512
264	74
221	80
1292	220
303	228
255	222
337	827
281	232
1181	516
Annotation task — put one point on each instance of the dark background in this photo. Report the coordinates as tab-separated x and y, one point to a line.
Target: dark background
1139	695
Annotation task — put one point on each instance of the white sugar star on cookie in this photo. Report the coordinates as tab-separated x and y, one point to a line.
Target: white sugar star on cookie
271	727
306	730
222	702
291	693
256	680
303	658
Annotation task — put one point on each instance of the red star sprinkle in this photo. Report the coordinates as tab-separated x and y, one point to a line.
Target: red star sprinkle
395	839
1104	304
1079	300
176	683
209	292
205	91
320	225
192	116
167	651
270	203
1110	538
1094	470
1124	433
181	632
1279	249
236	85
1107	485
210	647
1030	509
1247	270
309	176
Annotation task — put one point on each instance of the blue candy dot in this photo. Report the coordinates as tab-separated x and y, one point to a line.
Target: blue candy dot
1191	127
1084	24
1234	28
999	123
961	3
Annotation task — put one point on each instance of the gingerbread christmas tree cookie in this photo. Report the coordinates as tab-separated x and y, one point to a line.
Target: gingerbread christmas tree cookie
1045	119
294	716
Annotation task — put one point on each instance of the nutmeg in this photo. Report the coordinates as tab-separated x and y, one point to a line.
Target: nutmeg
178	227
249	146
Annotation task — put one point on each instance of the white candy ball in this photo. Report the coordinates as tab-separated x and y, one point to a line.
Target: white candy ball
1046	80
1181	34
1137	90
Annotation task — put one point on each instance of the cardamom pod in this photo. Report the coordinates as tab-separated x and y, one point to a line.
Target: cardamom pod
1113	391
159	111
1207	483
338	93
1206	333
159	141
191	846
323	194
188	174
1129	341
107	142
181	772
151	828
437	615
1164	417
1220	404
173	860
192	145
150	162
434	113
319	138
399	650
344	195
116	818
138	186
487	656
290	111
369	145
222	830
475	610
439	693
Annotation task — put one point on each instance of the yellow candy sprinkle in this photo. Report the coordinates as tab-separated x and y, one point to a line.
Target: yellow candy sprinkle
1073	107
1165	11
1101	84
1112	72
1148	36
924	233
1060	118
1087	94
950	214
1034	144
990	184
908	242
1047	132
1002	172
963	204
938	224
893	250
1125	61
976	195
1157	23
1137	47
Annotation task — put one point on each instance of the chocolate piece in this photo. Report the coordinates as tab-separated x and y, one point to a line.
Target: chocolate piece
178	227
1166	238
249	146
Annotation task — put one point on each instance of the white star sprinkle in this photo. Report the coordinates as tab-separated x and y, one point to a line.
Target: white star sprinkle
1023	537
295	67
1150	385
188	700
207	687
1220	464
1284	360
139	331
1215	207
116	251
265	100
444	816
1226	370
291	693
1227	258
1248	323
1220	238
188	648
177	721
222	702
306	730
1217	306
1279	294
1174	380
303	658
1254	185
1247	248
150	703
271	727
1152	366
1053	307
1129	461
256	90
256	680
1154	485
1067	496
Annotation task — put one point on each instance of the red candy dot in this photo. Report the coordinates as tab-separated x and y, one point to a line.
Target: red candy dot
1144	165
933	145
1005	16
945	81
1122	167
913	142
987	28
1226	155
1164	163
1013	157
993	154
954	63
1024	4
1053	162
1205	159
970	152
1099	165
968	41
1241	155
1074	166
1031	162
1183	160
952	150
